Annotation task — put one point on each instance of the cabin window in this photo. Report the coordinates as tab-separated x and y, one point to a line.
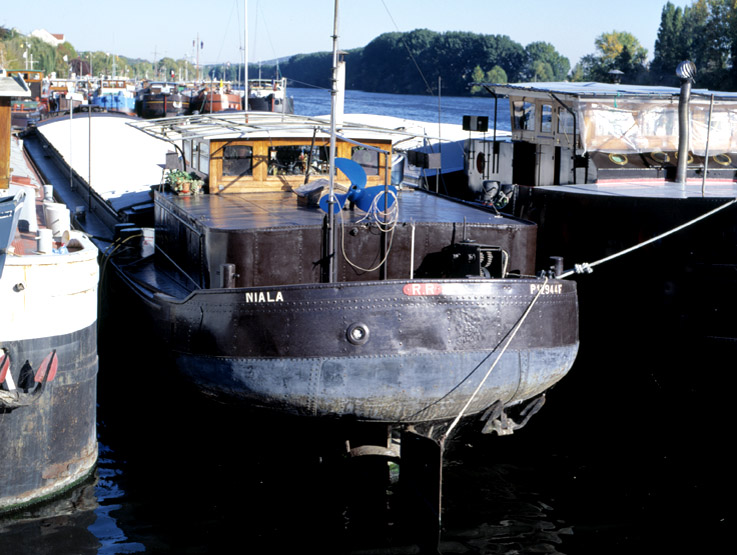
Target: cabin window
187	148
237	160
293	160
370	160
524	115
565	121
203	156
546	118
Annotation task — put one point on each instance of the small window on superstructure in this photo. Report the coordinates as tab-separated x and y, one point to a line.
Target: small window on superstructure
546	118
237	160
565	121
524	115
294	159
369	159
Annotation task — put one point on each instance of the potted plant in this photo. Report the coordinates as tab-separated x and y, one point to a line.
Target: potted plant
184	183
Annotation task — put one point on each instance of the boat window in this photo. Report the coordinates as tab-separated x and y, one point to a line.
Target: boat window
524	115
546	118
293	160
187	148
565	121
237	160
369	159
203	155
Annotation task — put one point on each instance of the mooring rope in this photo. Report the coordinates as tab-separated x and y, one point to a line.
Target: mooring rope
587	267
510	337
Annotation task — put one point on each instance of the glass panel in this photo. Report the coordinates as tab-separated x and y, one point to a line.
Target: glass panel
524	115
293	159
368	159
237	160
565	121
187	147
204	157
546	118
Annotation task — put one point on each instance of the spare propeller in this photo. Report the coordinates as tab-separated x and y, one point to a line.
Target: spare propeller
363	197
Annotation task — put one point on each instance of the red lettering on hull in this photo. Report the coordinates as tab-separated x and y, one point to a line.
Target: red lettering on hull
422	289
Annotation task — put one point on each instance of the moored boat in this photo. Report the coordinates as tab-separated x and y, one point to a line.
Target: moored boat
269	95
265	278
228	252
28	109
158	100
642	179
48	347
213	98
114	95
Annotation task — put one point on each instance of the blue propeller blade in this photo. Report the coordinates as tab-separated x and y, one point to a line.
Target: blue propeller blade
353	171
365	198
359	194
339	202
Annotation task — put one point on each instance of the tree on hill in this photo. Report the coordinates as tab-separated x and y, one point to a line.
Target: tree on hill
706	34
544	63
617	50
494	75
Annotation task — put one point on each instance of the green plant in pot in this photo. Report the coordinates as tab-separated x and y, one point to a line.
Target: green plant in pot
184	183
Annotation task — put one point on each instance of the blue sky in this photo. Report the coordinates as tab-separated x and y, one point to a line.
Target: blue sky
144	29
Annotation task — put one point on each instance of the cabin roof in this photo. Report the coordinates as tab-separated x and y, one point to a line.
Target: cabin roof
233	125
13	86
596	90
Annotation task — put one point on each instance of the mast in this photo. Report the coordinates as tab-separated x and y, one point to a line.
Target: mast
245	55
332	266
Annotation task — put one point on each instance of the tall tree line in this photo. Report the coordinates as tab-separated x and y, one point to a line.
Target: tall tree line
706	34
421	61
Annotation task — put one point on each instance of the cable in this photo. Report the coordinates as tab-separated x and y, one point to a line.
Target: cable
587	267
516	328
374	215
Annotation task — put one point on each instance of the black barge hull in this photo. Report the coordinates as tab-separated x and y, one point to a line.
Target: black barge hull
50	444
379	351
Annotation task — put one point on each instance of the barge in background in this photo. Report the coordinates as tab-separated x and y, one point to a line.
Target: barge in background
48	334
643	179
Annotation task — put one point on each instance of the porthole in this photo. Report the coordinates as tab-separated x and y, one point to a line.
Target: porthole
690	158
722	159
480	162
619	159
660	157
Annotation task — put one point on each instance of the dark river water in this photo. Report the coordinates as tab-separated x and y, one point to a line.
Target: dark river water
630	454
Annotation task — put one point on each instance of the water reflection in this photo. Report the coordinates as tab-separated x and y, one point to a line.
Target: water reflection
58	526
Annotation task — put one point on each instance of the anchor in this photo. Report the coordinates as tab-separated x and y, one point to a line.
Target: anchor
12	397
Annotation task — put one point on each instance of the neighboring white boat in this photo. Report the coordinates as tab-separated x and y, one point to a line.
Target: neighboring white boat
48	336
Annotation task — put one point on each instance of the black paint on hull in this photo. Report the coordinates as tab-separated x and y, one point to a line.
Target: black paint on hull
423	358
51	444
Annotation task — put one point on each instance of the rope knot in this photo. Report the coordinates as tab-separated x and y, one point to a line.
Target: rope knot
584	268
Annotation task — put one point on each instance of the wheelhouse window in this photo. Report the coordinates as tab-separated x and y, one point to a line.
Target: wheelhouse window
546	118
565	121
524	115
294	159
370	160
237	160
